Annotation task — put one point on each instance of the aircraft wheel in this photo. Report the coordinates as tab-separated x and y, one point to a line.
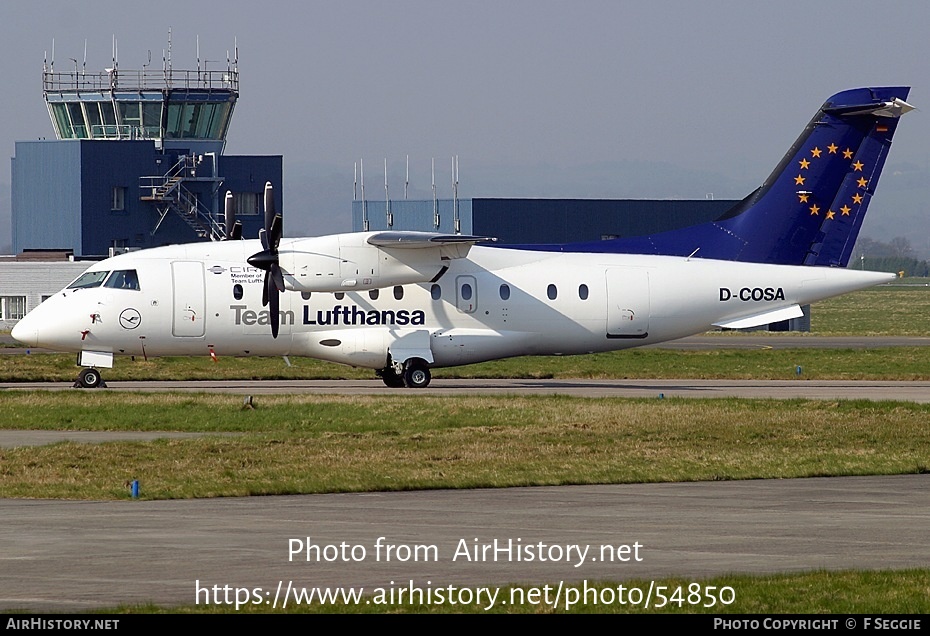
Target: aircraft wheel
391	378
89	378
416	375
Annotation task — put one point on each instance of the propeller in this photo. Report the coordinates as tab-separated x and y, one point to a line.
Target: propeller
233	226
267	260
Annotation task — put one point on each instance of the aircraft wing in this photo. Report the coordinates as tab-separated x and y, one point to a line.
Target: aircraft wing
414	240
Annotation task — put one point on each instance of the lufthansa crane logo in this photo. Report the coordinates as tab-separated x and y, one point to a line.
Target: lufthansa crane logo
130	319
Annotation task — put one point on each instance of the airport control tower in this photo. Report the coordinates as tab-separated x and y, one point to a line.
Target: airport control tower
187	110
137	162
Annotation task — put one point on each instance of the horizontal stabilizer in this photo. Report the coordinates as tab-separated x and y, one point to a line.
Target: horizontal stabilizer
894	108
412	240
765	318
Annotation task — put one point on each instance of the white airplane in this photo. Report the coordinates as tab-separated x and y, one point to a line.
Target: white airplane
403	303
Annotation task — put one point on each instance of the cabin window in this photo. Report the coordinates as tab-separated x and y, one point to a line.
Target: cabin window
505	292
305	295
435	292
339	295
237	291
552	292
398	292
88	279
583	291
466	291
123	279
373	294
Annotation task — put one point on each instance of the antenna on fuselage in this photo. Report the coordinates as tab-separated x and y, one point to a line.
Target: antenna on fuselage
435	202
361	168
387	199
456	221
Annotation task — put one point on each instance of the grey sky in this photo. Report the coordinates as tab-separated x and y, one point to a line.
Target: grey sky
575	99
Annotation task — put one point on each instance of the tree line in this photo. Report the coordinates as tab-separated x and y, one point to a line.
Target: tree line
896	255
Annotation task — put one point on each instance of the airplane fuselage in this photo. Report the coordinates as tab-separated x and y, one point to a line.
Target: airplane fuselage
200	299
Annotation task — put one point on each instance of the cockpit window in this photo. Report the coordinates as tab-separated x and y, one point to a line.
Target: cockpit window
123	279
88	279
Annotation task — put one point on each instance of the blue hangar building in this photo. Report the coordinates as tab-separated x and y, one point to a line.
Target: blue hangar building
523	221
137	161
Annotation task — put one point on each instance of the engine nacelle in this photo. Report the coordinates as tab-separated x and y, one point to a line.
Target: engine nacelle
347	262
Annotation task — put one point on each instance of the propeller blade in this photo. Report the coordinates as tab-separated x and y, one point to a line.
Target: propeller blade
269	206
274	303
236	231
274	232
265	294
229	219
277	276
267	260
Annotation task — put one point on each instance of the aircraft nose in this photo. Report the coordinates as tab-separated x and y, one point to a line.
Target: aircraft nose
26	332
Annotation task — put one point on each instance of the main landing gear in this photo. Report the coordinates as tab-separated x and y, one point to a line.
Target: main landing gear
390	377
415	375
89	379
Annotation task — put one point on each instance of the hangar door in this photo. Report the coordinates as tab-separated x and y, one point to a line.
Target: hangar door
189	309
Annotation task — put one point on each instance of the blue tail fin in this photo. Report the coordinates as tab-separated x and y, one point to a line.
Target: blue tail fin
810	209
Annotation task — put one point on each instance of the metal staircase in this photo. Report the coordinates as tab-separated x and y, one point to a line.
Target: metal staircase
169	194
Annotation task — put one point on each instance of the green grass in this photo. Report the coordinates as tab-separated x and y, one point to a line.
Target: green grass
898	309
891	363
315	444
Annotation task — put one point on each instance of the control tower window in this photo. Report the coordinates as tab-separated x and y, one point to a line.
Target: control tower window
109	120
189	120
151	119
130	115
60	115
197	120
77	120
92	110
